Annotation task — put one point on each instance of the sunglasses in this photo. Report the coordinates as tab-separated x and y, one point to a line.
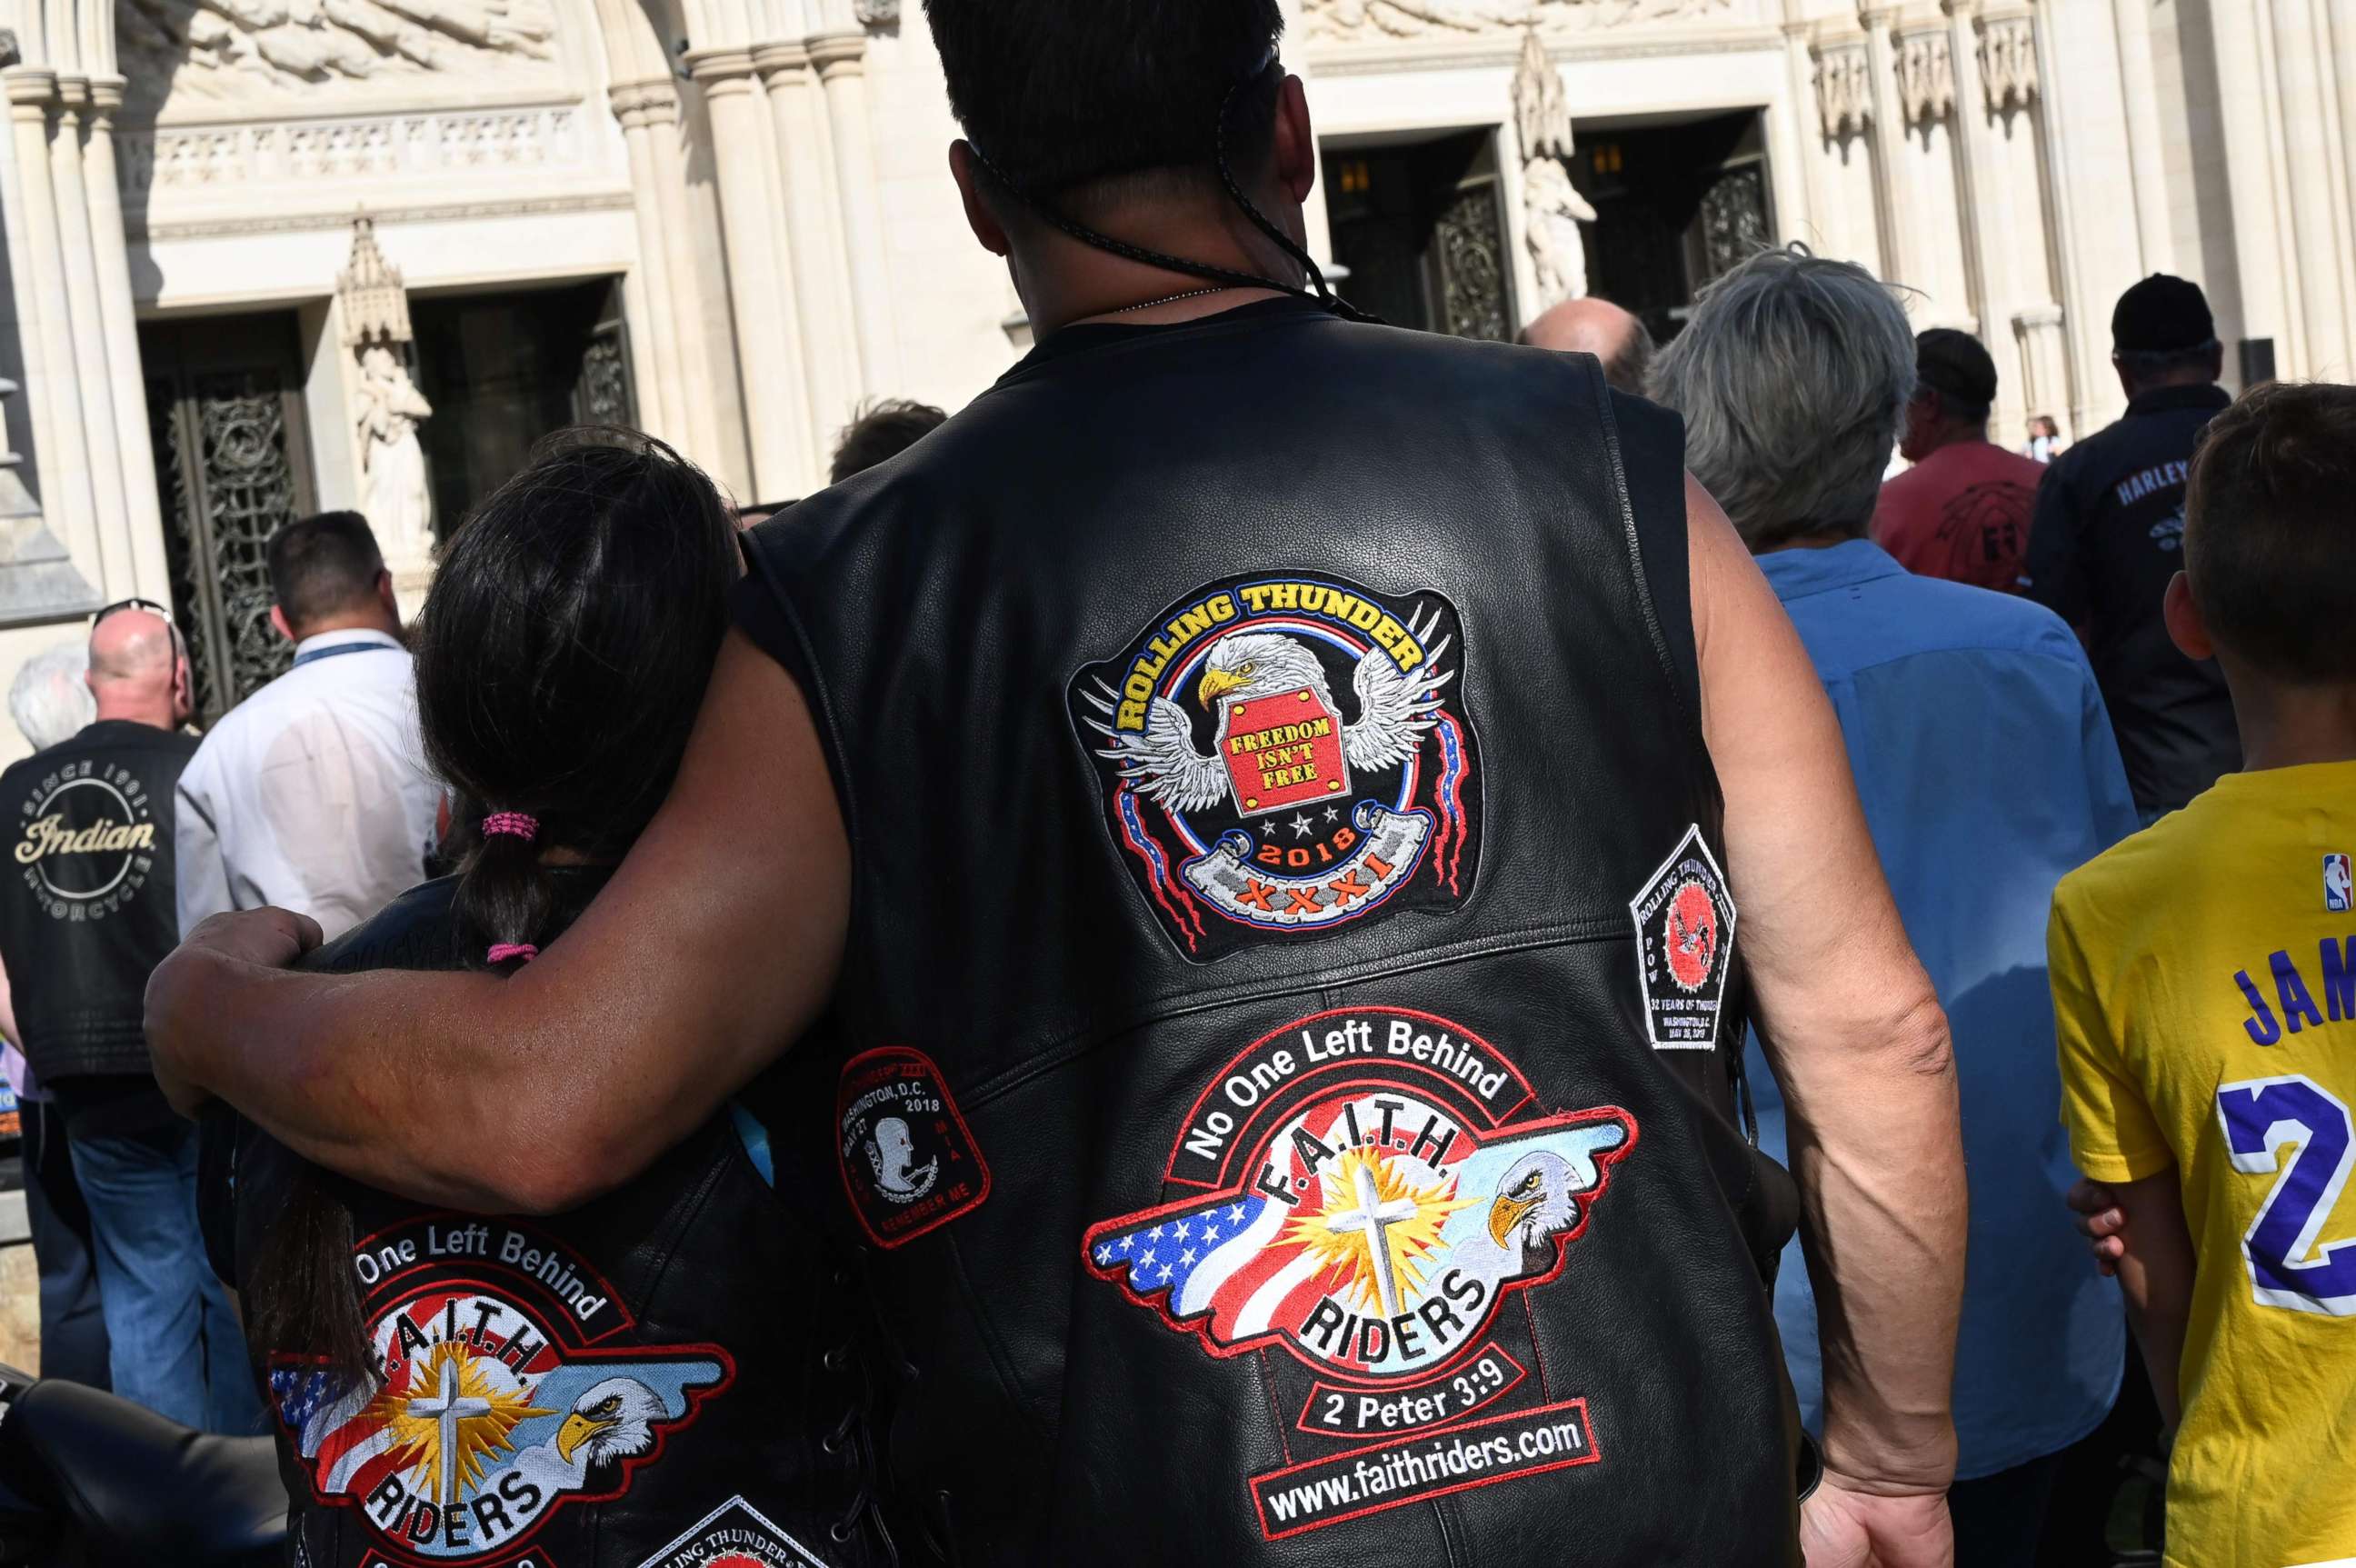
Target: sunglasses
162	612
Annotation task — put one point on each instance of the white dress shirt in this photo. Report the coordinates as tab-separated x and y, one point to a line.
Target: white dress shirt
313	793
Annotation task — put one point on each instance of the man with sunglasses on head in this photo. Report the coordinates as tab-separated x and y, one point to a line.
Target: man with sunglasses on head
85	914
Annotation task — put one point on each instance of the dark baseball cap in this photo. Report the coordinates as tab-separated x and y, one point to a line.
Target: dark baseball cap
1957	368
2162	314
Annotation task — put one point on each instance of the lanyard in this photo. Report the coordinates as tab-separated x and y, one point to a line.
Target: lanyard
341	648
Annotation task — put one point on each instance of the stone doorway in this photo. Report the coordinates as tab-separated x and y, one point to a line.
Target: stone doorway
233	466
1675	205
1420	225
503	370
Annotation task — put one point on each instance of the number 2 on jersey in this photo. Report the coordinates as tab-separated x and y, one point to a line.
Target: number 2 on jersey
2287	1269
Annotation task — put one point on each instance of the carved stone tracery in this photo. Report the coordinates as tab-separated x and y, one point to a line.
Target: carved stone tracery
1926	78
1359	20
2007	51
1844	88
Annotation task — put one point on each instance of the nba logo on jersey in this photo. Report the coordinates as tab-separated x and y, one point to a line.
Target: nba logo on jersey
2338	894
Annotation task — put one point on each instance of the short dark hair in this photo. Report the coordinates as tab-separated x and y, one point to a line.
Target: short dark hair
1056	95
880	431
2268	538
1958	367
321	565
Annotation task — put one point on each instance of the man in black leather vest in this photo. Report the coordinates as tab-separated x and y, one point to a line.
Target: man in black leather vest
1258	810
85	918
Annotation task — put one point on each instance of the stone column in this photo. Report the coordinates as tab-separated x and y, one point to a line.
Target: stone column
1900	252
840	59
1852	211
2264	245
27	319
2147	155
150	572
1982	218
67	495
2021	284
1932	211
697	407
2308	110
766	341
103	439
2083	126
821	292
660	394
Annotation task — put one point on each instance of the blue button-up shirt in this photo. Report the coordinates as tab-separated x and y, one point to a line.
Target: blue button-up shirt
1987	770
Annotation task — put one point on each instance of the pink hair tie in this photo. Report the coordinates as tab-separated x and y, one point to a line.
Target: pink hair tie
514	822
502	951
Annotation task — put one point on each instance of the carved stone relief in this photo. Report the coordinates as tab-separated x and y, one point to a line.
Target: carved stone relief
224	52
2007	51
1926	78
1364	20
877	13
1844	90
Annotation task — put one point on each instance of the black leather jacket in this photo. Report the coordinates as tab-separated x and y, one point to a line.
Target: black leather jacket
86	911
1282	1070
661	1377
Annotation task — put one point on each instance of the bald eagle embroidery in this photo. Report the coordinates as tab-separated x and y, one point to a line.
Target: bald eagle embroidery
1395	709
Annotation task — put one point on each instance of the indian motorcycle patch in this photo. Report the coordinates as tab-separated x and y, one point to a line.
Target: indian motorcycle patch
1359	1199
1284	757
513	1387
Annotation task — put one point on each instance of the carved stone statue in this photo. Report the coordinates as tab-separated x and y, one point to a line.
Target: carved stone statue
1552	209
235	48
392	464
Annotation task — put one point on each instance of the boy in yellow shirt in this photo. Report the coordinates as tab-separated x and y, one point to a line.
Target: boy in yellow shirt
2204	985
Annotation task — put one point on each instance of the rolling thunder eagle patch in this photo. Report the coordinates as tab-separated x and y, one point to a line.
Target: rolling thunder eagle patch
1357	1200
1284	757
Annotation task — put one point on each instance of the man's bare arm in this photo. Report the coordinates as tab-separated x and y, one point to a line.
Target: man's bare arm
712	949
2156	1277
1851	1025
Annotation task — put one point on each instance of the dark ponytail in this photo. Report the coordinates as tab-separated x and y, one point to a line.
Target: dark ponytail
561	660
562	657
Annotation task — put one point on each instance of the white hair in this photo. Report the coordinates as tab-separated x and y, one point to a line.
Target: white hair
50	698
1793	376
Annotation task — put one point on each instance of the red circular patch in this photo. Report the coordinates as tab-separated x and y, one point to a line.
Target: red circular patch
1689	936
737	1559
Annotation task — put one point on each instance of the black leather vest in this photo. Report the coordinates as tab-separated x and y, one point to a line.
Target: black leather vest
87	911
1282	1068
659	1378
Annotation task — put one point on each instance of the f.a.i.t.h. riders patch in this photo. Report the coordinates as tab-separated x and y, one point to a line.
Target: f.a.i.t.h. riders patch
1359	1199
1284	755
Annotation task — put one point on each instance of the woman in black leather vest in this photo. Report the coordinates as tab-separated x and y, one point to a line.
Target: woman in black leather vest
656	1378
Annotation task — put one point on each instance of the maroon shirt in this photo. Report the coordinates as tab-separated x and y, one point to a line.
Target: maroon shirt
1961	513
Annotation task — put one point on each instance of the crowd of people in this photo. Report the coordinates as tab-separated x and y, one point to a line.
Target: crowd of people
1283	939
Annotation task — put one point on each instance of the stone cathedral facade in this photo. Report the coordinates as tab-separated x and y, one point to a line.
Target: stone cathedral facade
269	256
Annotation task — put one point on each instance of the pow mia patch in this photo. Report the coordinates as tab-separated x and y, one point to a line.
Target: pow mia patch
1684	945
908	1161
1284	757
734	1535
